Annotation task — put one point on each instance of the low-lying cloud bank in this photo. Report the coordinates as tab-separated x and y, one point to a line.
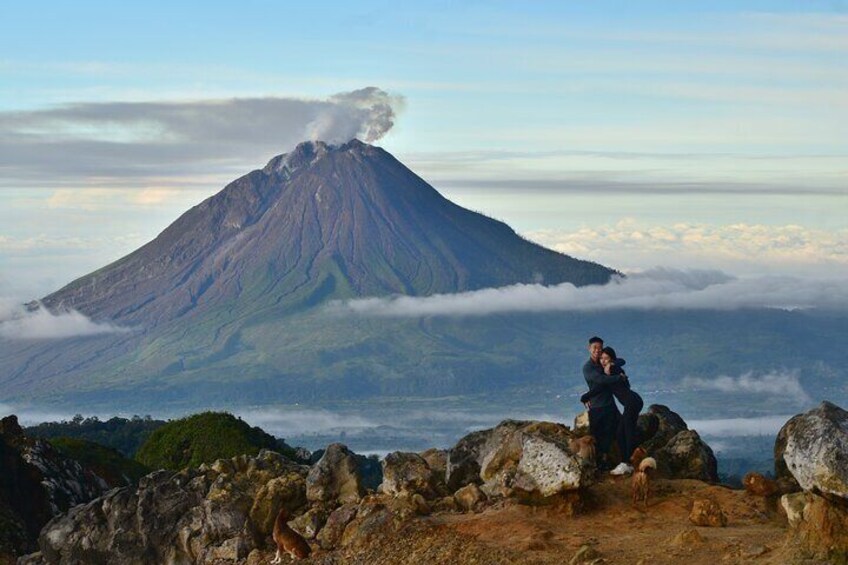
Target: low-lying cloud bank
785	384
18	322
655	289
740	427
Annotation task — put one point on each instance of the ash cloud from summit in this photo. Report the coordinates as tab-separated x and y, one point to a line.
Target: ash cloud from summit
85	143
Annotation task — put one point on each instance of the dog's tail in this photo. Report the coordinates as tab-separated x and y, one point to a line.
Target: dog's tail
648	463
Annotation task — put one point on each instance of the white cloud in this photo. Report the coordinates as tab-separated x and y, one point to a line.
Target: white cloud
784	384
656	289
739	427
19	323
629	243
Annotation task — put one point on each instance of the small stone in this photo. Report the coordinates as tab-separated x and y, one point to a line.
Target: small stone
586	554
468	497
706	512
688	538
755	551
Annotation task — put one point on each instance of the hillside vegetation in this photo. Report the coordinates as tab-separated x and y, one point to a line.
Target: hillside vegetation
203	438
123	434
106	462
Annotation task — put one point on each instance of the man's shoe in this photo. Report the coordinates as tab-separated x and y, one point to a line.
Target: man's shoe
622	469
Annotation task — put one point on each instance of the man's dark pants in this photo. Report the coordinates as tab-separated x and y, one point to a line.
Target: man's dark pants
603	424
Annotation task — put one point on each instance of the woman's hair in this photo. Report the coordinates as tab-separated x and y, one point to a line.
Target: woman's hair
609	351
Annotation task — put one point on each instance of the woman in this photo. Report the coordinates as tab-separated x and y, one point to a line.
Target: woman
627	426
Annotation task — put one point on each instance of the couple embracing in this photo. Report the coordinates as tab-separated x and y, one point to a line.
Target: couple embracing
607	383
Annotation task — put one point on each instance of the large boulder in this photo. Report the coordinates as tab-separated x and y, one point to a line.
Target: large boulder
814	448
522	457
658	425
335	477
192	516
407	473
687	456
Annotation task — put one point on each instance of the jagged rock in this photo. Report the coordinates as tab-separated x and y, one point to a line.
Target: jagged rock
310	522
331	534
407	473
468	497
286	491
793	505
373	520
686	456
335	477
759	485
665	424
437	460
707	512
37	482
815	450
818	526
581	423
192	516
463	461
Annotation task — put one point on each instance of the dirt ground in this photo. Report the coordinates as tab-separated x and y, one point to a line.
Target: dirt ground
607	530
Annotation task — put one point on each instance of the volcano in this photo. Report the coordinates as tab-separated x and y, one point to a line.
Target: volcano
318	223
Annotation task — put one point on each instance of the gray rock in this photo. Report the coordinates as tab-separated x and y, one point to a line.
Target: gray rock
463	461
686	456
816	450
331	534
532	457
658	426
310	522
407	473
335	477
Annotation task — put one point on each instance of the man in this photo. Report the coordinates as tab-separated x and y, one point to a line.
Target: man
603	412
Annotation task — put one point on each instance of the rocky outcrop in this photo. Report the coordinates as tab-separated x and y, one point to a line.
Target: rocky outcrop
193	516
817	526
335	478
812	450
518	457
815	450
36	483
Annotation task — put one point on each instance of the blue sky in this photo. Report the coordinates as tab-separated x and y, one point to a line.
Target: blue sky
639	133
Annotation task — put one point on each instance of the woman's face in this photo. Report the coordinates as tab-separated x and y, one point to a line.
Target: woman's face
605	360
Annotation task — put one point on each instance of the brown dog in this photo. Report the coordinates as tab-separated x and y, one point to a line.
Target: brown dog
638	455
288	540
583	447
641	482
